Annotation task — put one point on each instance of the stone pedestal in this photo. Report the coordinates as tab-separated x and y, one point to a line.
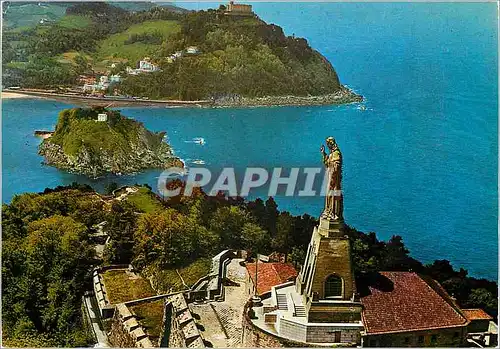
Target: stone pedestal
331	228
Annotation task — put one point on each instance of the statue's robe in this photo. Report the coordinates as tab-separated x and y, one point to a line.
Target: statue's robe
333	205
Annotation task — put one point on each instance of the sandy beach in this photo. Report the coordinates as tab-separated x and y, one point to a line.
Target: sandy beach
12	95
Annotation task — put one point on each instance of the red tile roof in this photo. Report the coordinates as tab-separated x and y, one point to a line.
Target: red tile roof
476	314
403	301
270	274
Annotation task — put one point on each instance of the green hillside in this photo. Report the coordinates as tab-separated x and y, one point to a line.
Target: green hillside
140	40
80	38
241	56
234	56
23	15
74	22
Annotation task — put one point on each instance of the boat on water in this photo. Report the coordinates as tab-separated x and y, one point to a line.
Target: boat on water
199	140
198	162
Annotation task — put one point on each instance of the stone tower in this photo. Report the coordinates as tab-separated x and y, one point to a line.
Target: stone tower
326	281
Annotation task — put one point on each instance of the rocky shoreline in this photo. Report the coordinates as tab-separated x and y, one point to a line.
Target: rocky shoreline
94	166
343	96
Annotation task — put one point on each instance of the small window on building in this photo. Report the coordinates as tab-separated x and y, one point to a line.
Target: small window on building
407	340
333	286
455	335
434	338
373	343
420	339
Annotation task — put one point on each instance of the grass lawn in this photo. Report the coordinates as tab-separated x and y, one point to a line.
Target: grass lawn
150	316
74	22
145	200
18	65
121	287
69	57
114	46
169	281
194	271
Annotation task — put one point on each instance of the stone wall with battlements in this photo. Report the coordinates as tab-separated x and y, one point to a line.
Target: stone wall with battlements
126	332
183	330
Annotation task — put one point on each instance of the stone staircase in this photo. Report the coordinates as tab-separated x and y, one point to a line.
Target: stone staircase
300	311
282	301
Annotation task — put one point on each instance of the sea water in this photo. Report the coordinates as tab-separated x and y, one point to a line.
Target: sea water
420	160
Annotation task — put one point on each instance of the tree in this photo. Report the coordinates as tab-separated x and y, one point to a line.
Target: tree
255	238
228	222
482	298
167	238
82	65
395	255
297	256
284	228
110	187
44	279
271	216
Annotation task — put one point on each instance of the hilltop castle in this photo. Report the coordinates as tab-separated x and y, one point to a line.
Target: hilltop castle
233	9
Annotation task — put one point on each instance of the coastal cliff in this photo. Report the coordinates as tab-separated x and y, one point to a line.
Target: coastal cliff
97	141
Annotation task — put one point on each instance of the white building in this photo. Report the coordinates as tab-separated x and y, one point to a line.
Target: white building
145	66
102	117
115	79
192	50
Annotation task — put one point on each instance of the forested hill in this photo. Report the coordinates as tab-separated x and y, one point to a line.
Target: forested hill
48	252
234	55
241	55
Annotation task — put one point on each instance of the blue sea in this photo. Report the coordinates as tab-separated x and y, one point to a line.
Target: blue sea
421	161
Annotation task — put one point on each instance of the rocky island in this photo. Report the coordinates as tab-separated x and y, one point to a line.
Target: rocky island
97	141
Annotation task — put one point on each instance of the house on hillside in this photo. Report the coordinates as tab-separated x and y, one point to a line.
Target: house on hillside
115	79
145	66
192	50
102	85
174	56
268	275
87	79
102	117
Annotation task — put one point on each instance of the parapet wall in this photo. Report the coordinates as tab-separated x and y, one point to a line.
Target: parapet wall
126	331
255	337
105	308
183	330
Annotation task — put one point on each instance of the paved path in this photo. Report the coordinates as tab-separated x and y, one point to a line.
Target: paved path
212	329
230	311
102	338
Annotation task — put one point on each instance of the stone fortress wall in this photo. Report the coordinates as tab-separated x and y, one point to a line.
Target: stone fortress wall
126	332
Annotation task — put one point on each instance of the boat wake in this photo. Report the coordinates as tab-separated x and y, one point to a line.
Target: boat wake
198	140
